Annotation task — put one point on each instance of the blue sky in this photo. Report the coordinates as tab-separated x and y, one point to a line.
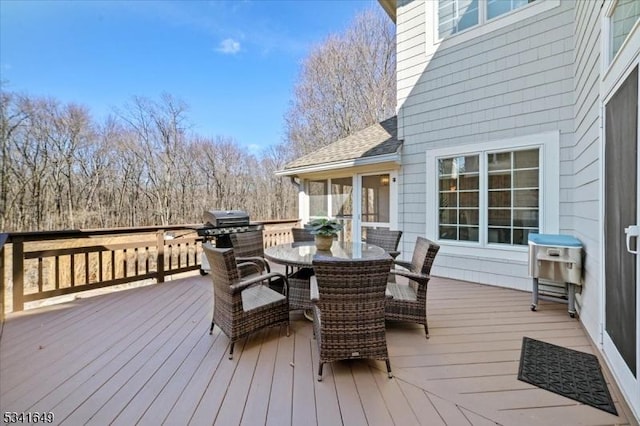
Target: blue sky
233	62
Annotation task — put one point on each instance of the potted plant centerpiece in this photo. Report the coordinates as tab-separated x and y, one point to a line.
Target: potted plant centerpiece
325	230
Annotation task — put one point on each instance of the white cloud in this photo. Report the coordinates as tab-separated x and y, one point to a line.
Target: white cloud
229	46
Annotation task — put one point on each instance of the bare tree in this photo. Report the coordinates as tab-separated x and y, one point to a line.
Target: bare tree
346	84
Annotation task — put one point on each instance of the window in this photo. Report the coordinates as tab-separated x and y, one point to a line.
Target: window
625	14
342	197
459	185
458	15
513	193
507	181
318	198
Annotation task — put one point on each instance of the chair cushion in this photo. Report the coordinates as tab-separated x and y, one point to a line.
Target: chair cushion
259	296
401	291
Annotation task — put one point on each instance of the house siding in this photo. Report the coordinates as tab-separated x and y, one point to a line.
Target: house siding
584	220
513	81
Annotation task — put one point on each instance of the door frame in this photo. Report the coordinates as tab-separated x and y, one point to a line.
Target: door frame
613	76
358	223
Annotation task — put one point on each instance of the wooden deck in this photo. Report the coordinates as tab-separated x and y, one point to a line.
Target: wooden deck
144	356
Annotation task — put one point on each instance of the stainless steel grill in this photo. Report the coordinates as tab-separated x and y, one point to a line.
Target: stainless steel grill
557	260
218	227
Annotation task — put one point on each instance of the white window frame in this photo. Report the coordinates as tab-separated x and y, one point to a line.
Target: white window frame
485	26
629	44
549	198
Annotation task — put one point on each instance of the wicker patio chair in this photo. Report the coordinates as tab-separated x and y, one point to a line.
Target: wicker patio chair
409	302
299	293
243	305
386	239
348	309
301	234
249	247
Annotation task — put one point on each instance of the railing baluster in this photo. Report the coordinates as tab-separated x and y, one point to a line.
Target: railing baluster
73	270
136	260
40	274
57	272
86	268
124	262
100	266
113	264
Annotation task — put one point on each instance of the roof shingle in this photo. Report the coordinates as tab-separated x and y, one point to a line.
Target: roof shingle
378	139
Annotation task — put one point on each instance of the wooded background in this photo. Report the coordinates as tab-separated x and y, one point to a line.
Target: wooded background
62	169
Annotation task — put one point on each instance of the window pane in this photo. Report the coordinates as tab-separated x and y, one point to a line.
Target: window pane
525	198
318	198
448	233
448	184
525	179
500	235
500	7
499	217
469	217
525	159
500	198
469	199
499	161
467	14
449	216
456	15
499	180
468	182
623	19
445	166
525	217
468	233
521	236
448	199
341	197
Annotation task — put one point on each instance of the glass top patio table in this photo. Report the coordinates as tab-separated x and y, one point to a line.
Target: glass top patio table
301	254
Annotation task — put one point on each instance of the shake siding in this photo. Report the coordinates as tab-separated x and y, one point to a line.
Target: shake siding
514	81
585	223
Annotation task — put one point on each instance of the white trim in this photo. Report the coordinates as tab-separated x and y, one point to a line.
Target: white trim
549	145
624	63
378	159
512	17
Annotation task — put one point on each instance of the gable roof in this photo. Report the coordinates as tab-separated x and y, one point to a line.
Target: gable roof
376	143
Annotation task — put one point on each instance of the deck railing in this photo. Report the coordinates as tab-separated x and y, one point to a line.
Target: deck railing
43	265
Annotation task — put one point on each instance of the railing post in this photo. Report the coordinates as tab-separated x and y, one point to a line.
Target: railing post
3	285
18	274
160	261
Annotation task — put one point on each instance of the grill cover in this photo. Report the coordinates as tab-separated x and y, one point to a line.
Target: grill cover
225	218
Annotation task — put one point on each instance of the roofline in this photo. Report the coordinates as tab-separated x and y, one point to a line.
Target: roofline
389	6
393	157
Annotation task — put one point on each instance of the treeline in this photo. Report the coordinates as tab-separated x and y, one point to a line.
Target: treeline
61	169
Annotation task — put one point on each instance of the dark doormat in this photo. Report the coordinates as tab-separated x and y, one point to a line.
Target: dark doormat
576	375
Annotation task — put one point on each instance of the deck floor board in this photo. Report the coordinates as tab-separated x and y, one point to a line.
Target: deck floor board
144	356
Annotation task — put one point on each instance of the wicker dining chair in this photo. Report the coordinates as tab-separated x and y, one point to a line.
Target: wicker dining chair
386	239
301	234
409	302
243	305
249	247
348	308
299	293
